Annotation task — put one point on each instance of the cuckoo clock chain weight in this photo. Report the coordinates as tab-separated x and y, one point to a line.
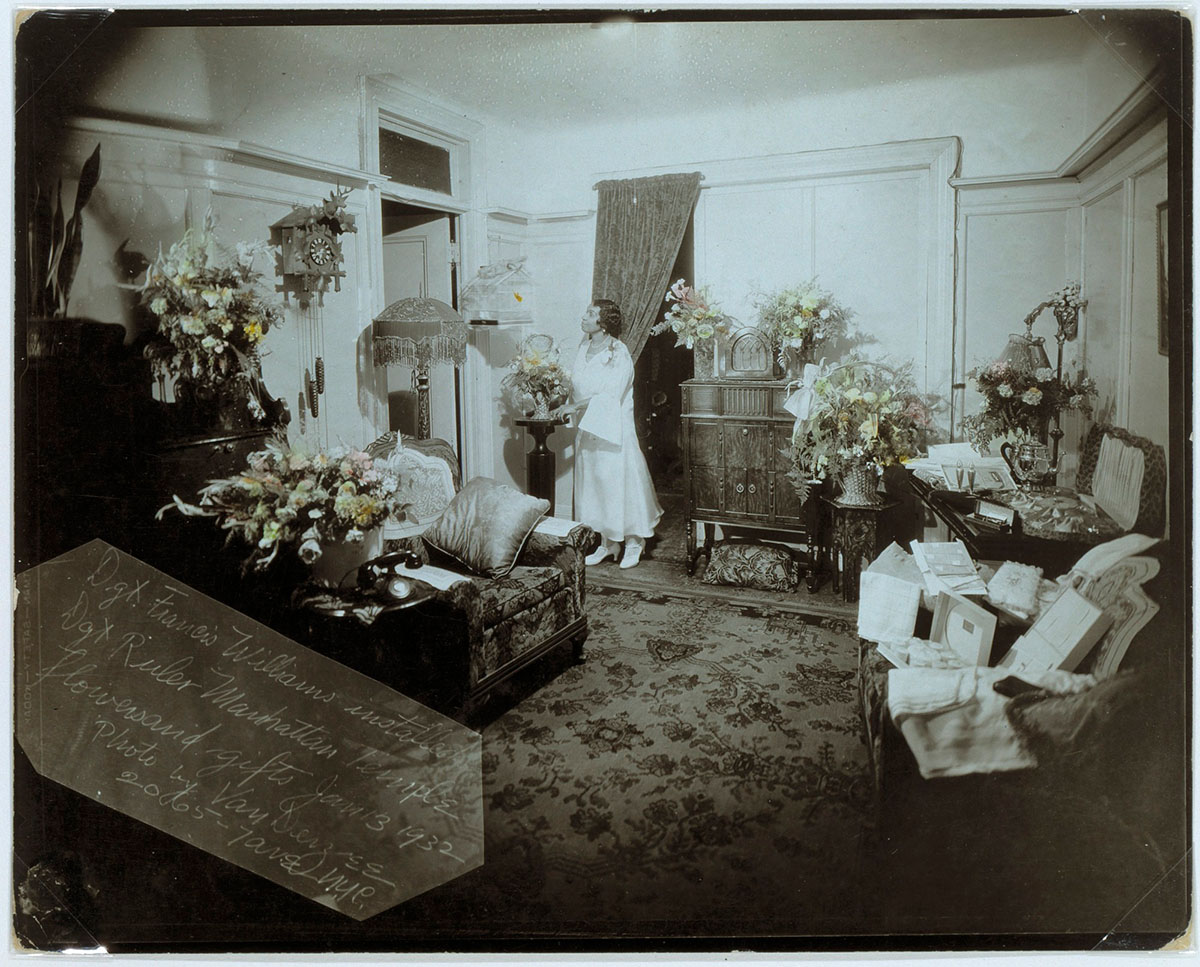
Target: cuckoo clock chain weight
310	258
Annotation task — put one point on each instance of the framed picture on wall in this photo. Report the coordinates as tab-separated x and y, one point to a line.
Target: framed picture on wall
1163	336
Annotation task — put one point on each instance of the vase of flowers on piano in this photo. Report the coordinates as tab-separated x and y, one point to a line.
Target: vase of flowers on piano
537	385
323	510
698	324
1018	404
863	416
803	322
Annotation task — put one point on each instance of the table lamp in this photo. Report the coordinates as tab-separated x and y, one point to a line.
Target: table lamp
415	333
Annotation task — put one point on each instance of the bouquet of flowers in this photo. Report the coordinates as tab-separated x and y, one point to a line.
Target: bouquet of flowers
802	316
862	414
536	380
693	316
300	501
1018	404
211	317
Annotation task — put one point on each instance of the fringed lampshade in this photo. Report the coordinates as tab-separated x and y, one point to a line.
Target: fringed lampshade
416	333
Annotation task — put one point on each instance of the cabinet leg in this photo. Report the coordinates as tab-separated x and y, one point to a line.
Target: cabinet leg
689	527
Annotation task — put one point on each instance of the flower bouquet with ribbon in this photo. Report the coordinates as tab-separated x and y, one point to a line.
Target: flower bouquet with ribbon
857	416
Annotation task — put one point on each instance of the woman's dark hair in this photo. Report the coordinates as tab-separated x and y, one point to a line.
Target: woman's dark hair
611	320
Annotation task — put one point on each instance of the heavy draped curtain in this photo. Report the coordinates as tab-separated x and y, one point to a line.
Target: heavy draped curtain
639	226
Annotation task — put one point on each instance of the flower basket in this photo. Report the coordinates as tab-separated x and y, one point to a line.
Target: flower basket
536	384
298	506
860	486
861	414
212	318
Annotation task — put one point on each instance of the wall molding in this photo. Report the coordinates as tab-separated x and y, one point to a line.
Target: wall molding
206	148
1138	108
823	163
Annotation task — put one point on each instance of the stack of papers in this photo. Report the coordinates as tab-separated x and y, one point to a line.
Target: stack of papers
947	566
889	596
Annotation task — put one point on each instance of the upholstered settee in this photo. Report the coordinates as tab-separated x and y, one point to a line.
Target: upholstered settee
457	649
1090	838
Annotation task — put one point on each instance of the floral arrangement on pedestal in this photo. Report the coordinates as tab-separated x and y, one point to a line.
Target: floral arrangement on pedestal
537	384
211	316
299	501
1019	404
862	416
799	319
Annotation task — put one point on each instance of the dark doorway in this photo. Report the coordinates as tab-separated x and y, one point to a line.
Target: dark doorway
659	370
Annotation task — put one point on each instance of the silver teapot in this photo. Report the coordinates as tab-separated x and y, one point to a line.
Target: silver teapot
1030	463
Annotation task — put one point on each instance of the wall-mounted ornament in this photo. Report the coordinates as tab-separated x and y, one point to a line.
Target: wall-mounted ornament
310	249
309	258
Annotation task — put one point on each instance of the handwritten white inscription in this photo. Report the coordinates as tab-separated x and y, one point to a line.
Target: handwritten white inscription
158	701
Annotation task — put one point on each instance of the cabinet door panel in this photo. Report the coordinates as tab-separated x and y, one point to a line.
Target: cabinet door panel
747	493
746	444
788	508
704	443
781	446
758	495
706	489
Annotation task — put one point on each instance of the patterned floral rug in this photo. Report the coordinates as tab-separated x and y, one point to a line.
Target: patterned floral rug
701	774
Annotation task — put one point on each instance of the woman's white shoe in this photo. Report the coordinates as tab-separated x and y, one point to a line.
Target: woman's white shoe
633	552
606	549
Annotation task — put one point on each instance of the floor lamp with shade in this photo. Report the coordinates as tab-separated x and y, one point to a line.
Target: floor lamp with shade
415	333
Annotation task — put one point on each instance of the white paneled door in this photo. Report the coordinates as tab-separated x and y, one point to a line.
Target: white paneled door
416	262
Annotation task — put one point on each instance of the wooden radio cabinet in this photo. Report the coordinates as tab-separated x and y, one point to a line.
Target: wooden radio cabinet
736	457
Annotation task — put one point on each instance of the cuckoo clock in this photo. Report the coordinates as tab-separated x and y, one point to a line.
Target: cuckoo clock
310	249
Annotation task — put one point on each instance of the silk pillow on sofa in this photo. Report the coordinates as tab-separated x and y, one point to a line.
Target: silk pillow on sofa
485	526
752	566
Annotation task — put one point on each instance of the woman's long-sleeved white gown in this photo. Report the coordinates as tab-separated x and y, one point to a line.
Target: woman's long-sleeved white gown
614	494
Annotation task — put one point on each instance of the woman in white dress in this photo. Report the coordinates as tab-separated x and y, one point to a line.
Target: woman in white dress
613	491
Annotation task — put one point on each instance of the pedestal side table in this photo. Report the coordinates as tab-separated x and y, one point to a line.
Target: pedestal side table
539	462
858	531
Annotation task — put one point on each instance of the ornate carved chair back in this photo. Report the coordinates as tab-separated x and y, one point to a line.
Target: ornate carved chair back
1096	461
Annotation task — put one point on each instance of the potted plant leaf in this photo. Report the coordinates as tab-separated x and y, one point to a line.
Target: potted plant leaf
54	245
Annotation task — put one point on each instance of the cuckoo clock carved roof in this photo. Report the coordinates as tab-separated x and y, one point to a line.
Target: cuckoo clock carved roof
310	250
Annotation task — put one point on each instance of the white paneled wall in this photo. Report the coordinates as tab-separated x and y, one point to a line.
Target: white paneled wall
155	184
875	224
1020	240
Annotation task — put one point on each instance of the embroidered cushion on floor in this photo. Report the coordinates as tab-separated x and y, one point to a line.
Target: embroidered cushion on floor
753	566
